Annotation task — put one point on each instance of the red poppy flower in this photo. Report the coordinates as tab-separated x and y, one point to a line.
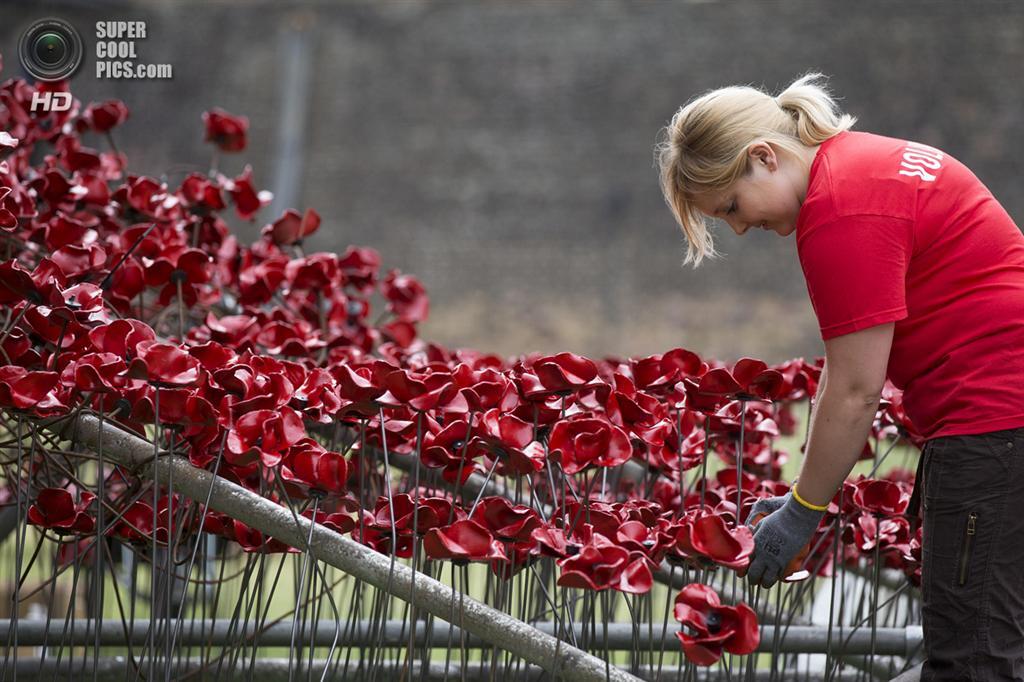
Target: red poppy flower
660	372
55	508
291	227
225	130
136	524
164	363
647	538
514	523
485	389
559	374
102	116
197	191
406	297
448	450
247	200
121	337
360	266
380	540
143	195
429	513
708	536
25	390
95	372
881	496
510	439
868	531
313	468
252	540
551	541
713	627
583	441
264	435
188	267
339	522
462	542
257	283
601	564
357	389
419	390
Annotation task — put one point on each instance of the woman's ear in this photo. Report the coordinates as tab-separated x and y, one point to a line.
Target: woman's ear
762	154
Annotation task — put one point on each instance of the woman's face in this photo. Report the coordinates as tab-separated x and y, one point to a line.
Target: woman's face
768	196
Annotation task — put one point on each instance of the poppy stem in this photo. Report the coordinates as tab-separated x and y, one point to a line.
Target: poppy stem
181	312
483	488
739	462
10	328
106	280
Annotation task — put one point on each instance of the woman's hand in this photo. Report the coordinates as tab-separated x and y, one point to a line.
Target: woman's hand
779	537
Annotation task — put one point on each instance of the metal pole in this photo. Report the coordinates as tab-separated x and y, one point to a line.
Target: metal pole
361	562
276	670
795	639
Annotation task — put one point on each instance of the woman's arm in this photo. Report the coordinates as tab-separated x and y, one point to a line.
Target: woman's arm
847	399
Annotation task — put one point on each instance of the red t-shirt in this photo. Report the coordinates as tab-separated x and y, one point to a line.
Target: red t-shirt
896	231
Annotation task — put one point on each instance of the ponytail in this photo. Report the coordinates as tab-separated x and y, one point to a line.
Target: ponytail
814	110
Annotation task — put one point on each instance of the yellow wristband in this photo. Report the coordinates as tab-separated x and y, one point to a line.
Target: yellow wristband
814	507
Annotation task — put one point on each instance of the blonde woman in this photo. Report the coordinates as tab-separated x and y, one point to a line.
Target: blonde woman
915	273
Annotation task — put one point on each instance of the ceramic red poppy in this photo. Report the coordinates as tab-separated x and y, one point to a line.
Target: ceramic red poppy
291	227
584	441
264	436
711	628
881	496
227	131
56	509
102	116
462	542
406	297
708	536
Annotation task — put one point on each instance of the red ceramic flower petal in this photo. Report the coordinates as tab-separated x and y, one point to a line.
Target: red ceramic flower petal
406	297
698	652
565	372
636	578
730	547
880	496
102	116
168	364
225	130
53	508
719	382
597	566
746	633
463	541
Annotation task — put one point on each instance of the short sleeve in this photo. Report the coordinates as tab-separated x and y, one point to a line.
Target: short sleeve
856	269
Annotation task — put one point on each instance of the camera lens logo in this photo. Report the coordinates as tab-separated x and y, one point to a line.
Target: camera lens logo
50	49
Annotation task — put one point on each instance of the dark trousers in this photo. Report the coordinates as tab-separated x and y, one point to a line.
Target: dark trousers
973	570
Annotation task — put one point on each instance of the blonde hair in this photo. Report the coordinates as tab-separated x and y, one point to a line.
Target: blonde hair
704	147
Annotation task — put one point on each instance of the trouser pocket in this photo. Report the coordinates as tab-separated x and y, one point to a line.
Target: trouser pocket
971	529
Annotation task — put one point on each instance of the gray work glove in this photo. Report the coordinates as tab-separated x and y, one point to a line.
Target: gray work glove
779	537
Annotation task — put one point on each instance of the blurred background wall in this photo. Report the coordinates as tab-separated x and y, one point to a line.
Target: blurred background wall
502	151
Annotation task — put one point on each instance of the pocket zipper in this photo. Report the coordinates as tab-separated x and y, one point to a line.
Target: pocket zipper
965	556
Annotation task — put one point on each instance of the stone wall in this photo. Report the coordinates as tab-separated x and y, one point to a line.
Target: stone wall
502	151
